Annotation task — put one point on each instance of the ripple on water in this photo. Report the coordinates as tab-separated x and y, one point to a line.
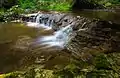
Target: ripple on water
26	45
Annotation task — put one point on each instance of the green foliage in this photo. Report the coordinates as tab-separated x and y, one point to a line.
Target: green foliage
38	4
15	10
45	4
27	4
10	14
62	5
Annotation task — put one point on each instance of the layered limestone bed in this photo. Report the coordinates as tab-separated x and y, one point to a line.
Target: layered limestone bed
86	33
88	36
94	43
99	35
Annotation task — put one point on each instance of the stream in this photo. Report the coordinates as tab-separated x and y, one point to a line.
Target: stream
34	43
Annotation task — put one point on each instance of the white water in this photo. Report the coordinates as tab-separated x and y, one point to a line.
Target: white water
57	39
37	24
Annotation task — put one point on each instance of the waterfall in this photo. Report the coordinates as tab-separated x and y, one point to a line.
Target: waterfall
40	21
38	18
57	39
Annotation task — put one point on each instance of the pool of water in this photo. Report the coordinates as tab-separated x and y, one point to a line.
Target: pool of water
100	14
18	48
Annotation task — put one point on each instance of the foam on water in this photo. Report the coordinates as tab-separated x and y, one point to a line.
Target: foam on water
57	39
38	23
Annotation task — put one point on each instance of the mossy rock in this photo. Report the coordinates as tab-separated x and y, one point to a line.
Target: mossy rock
31	73
102	74
101	62
10	75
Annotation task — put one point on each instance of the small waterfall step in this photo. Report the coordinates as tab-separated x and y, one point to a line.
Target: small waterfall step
57	39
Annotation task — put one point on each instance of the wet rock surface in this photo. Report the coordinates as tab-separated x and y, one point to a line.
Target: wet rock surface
87	33
97	34
56	20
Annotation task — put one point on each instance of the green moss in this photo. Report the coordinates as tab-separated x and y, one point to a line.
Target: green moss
30	73
101	62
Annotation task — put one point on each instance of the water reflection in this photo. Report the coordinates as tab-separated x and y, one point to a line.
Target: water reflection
110	16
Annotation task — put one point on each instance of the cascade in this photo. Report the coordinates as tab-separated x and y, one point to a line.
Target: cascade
40	21
57	39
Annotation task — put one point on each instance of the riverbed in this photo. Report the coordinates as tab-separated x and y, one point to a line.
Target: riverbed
20	46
